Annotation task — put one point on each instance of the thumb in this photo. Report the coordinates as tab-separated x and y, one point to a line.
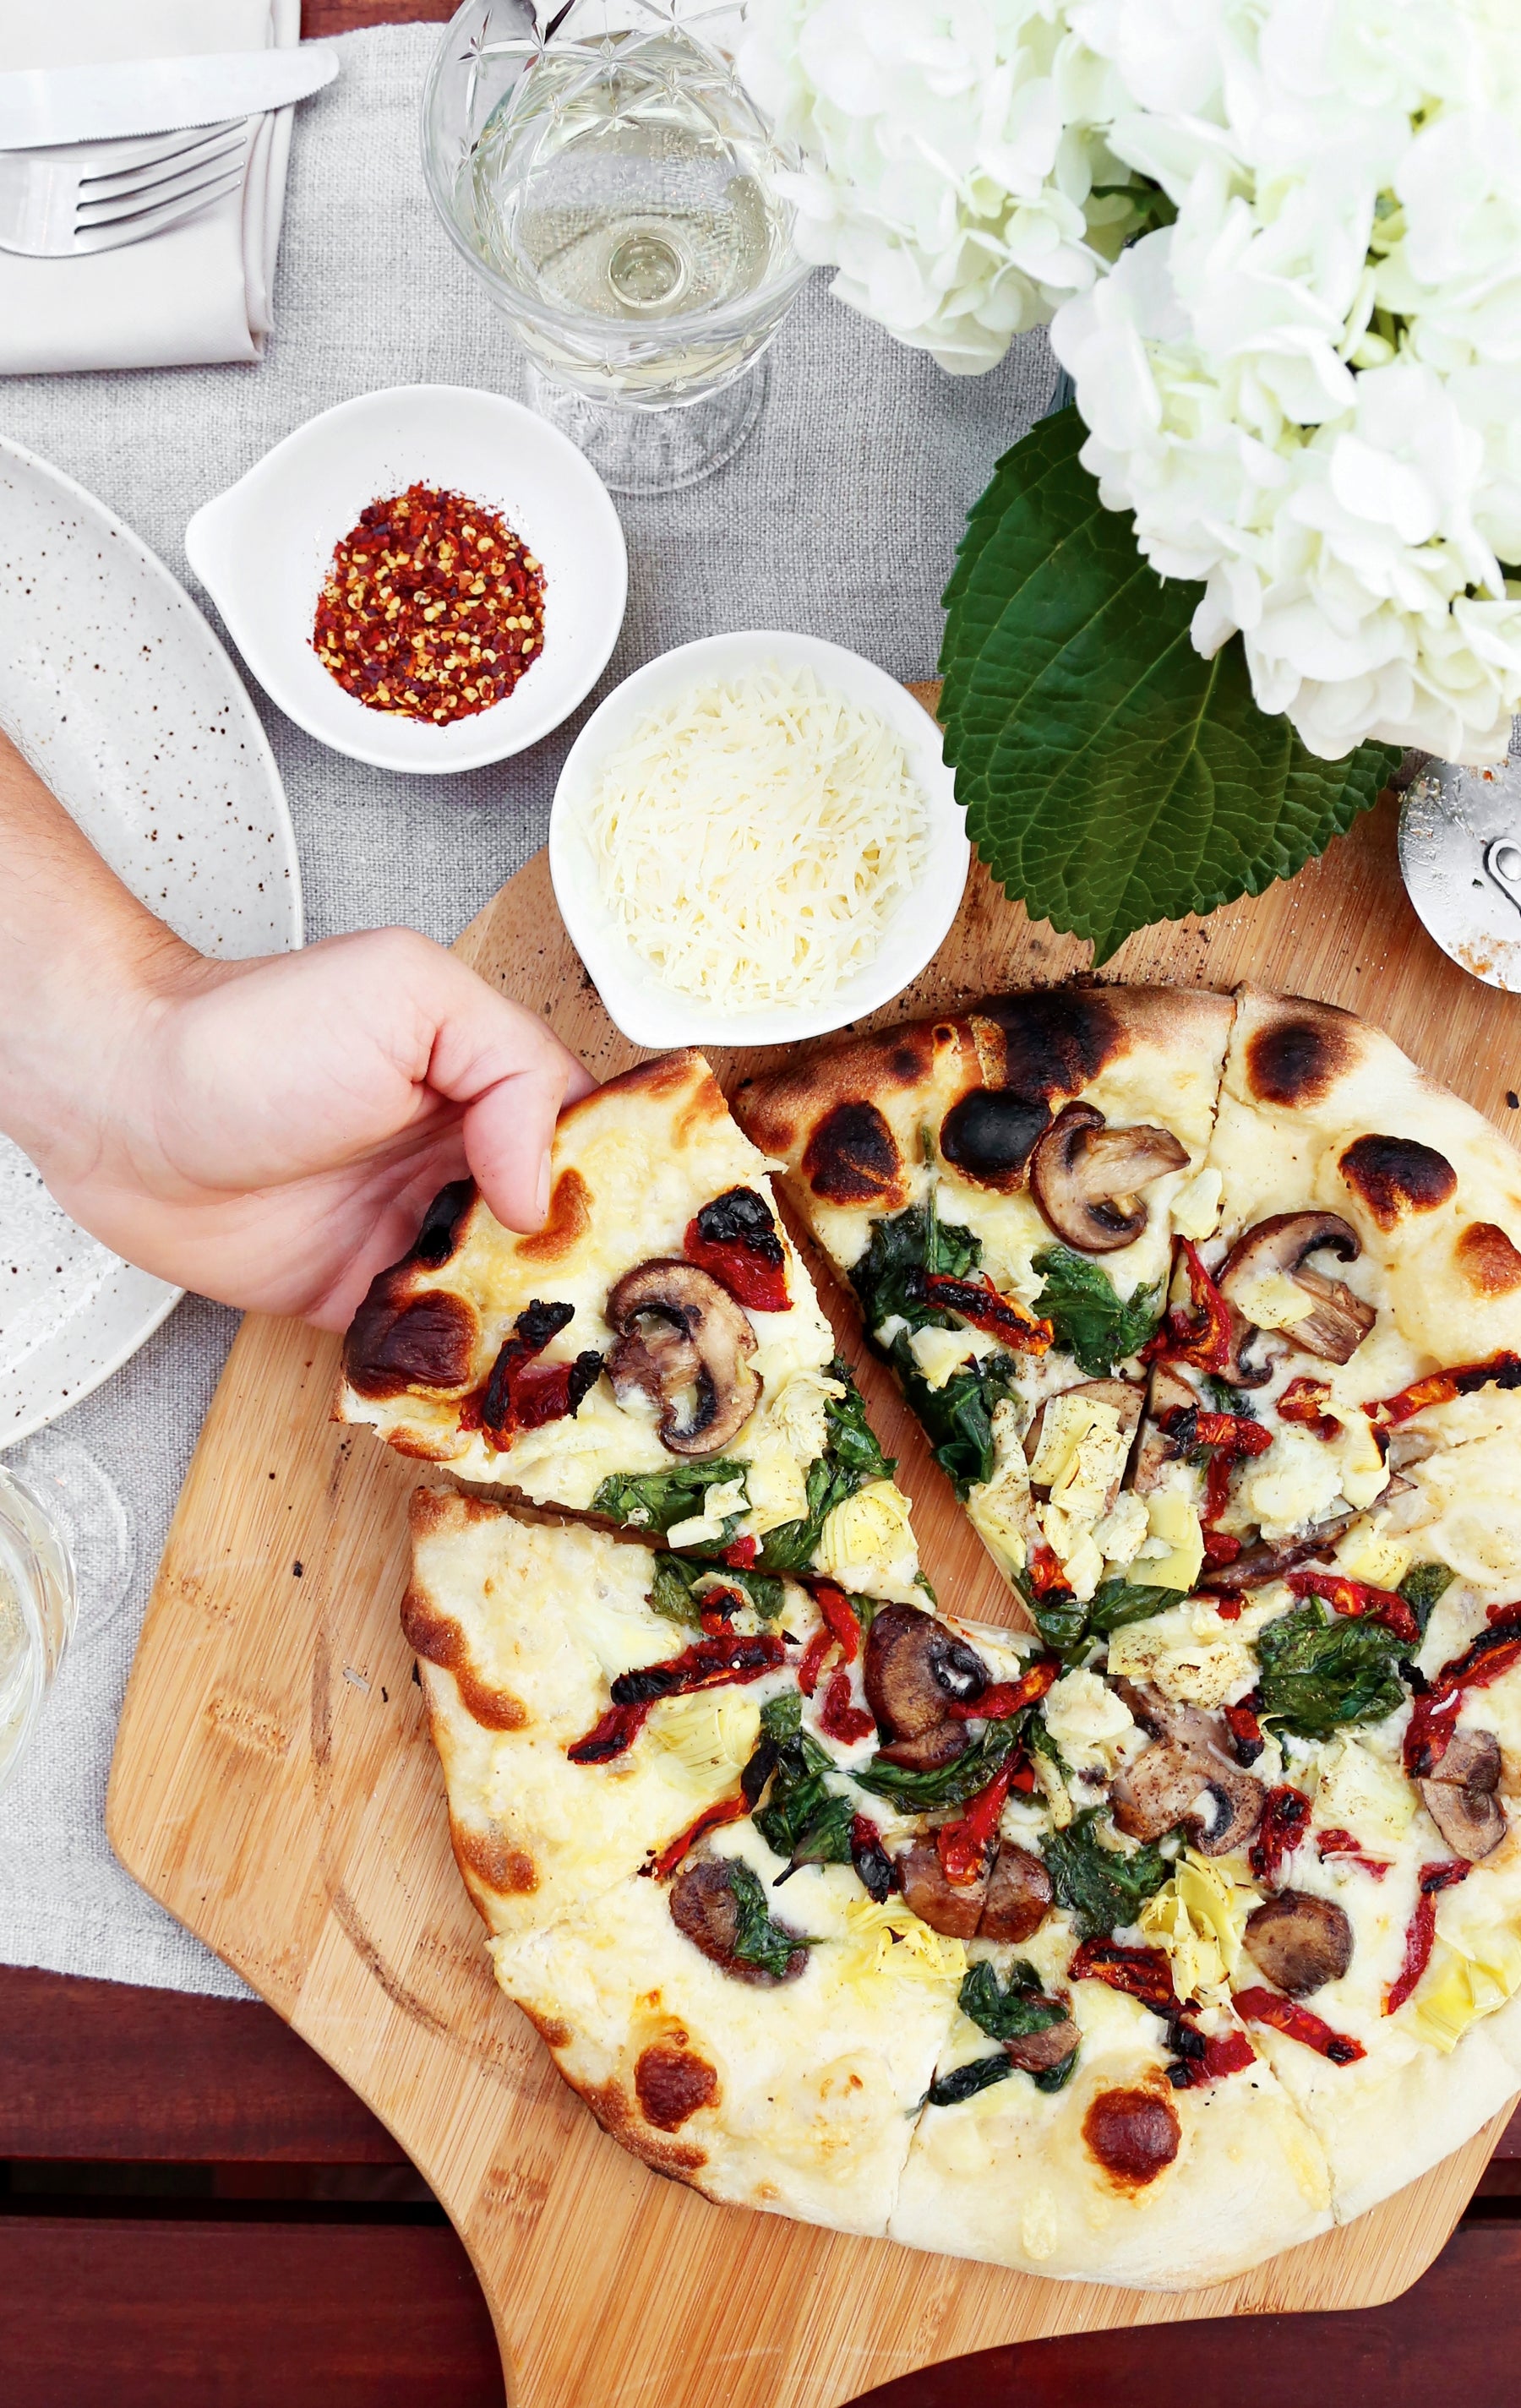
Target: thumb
513	1076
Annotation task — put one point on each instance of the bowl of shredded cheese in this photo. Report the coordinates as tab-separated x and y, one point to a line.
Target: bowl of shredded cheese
753	839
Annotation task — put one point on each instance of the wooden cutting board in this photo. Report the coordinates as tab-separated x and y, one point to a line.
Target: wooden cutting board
275	1786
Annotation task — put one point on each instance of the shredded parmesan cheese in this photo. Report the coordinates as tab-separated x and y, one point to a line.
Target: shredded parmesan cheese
753	839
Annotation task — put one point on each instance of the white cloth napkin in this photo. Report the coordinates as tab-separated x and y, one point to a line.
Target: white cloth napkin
198	291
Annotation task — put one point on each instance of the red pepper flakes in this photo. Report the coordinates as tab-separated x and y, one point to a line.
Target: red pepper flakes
430	609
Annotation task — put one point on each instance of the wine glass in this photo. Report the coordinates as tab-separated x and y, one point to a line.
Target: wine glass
64	1533
608	179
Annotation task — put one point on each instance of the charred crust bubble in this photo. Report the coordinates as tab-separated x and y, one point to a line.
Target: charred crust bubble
991	1134
1134	2134
740	1217
671	2083
851	1156
1297	1061
426	1343
1487	1260
442	1221
1396	1175
1056	1038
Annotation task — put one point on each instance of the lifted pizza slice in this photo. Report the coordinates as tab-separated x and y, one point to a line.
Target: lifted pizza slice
1001	1189
654	1355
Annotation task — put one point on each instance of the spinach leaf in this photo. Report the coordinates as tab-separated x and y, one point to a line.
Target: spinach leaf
782	1716
682	1585
980	2073
888	1276
757	1939
651	1501
1421	1588
1013	2013
1322	1672
1084	1307
852	1457
1119	1602
1099	1887
806	1821
958	1418
1069	1629
949	1784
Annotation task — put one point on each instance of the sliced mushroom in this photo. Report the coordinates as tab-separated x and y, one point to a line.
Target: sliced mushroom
1460	1795
1338	1320
1019	1896
1300	1942
940	1744
1189	1777
954	1908
1037	2052
1259	1564
1168	1392
1122	1396
1087	1178
685	1342
704	1907
914	1669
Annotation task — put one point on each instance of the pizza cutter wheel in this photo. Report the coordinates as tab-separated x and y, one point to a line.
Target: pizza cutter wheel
1460	859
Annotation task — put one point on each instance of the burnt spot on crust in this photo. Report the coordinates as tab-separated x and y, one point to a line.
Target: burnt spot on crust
671	2083
1134	2133
665	1076
399	1341
569	1220
991	1133
511	1872
1056	1039
438	1238
1295	1062
1395	1176
852	1158
440	1641
615	2112
1487	1260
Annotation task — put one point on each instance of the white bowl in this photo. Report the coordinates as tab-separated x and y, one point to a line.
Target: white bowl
263	547
645	1009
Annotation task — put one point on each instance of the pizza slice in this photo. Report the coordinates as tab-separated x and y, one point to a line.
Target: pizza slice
1001	1189
654	1355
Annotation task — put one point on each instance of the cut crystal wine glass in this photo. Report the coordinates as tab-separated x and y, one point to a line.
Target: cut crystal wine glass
606	173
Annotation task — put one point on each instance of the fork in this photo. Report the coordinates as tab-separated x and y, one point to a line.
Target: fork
90	196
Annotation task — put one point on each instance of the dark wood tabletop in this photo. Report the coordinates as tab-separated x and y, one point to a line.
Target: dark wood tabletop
196	2213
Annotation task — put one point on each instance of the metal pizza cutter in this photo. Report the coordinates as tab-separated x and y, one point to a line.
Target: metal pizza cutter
1460	859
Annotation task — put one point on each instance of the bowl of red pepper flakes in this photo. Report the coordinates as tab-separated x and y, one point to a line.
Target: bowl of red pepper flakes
432	607
427	578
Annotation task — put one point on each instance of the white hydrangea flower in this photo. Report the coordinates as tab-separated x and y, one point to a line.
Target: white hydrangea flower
1309	388
951	158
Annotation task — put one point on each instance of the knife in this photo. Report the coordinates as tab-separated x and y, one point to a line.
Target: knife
40	106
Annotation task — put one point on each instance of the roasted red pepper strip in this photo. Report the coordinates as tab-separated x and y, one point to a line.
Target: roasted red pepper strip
1228	2052
1023	1776
521	1393
1304	1400
1232	1433
1422	1928
1142	1974
1434	1716
742	1553
814	1654
841	1617
979	1303
841	1719
1205	1340
707	1664
1005	1698
1341	1844
755	1273
1043	1571
963	1845
1501	1370
1361	1600
1297	2023
1245	1731
712	1818
1285	1816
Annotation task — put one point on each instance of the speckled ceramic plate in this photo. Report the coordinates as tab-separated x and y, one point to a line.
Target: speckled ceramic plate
117	691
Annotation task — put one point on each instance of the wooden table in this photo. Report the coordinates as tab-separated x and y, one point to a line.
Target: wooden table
193	2209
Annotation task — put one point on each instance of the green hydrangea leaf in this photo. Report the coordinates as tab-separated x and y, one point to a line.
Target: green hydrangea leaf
1112	777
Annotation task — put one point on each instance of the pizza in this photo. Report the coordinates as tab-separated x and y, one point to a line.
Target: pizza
1180	1922
653	1356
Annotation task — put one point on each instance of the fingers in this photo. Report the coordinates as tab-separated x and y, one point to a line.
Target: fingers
513	1076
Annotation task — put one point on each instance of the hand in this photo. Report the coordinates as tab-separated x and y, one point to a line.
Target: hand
267	1132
